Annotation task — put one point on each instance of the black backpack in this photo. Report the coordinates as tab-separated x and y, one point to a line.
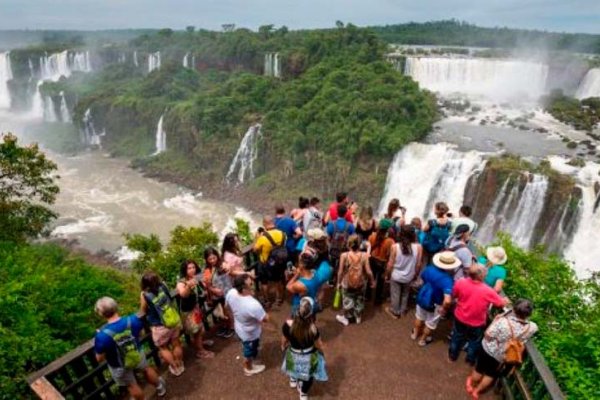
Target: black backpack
279	254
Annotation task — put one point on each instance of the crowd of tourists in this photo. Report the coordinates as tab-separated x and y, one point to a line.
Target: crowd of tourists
300	255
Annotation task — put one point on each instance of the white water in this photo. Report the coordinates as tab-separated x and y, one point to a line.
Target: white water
272	65
488	78
49	110
161	137
590	85
65	116
524	218
153	61
187	61
54	66
37	103
90	135
5	76
241	168
422	174
135	59
31	70
80	61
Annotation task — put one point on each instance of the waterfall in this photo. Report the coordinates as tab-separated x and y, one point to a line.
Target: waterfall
153	61
54	66
161	137
422	174
272	65
64	109
37	103
90	136
495	216
5	76
489	78
523	220
49	110
135	59
80	61
590	85
243	161
122	58
186	61
31	70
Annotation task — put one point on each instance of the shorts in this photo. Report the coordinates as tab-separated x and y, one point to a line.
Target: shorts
488	365
250	348
162	336
266	273
126	377
431	318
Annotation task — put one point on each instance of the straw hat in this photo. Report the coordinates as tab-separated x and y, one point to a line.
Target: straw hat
496	255
446	260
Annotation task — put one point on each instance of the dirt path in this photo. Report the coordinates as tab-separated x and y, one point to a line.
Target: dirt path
374	360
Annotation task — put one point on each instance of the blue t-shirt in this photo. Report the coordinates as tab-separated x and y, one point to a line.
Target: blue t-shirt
441	282
494	273
288	226
324	272
341	224
104	344
312	289
420	235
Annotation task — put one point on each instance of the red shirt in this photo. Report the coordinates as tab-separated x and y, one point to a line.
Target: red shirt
472	301
333	215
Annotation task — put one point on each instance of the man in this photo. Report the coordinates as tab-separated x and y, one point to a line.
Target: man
117	343
333	212
459	244
270	271
248	317
313	218
473	298
291	229
464	218
338	230
435	296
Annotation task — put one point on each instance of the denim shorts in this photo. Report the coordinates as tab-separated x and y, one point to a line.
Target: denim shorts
250	348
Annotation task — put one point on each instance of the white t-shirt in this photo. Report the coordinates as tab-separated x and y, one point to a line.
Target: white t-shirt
248	315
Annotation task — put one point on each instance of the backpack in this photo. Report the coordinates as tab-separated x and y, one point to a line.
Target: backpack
163	305
355	276
513	354
435	239
425	297
279	254
315	220
339	240
128	353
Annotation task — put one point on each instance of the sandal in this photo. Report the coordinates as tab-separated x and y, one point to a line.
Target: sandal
425	342
469	385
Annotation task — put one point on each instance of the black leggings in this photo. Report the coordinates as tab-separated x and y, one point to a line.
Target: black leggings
305	385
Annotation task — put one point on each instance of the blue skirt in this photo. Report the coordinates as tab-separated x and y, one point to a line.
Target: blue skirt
303	366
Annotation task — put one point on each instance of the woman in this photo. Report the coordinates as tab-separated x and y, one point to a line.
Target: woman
380	245
354	266
395	212
317	240
232	254
303	361
403	267
366	224
297	214
489	366
154	300
192	295
218	282
305	281
496	271
437	230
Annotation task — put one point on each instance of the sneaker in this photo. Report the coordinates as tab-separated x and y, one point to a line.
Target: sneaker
176	371
161	389
342	320
256	369
303	396
293	383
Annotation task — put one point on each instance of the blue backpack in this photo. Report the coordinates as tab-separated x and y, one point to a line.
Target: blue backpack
425	297
435	239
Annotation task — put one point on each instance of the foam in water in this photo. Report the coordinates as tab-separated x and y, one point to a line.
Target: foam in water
49	110
422	174
124	253
153	61
272	65
241	168
161	137
101	223
5	76
488	78
590	85
65	116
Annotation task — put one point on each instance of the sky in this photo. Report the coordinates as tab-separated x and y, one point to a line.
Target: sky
553	15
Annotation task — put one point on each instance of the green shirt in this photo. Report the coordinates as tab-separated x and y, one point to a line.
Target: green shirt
494	273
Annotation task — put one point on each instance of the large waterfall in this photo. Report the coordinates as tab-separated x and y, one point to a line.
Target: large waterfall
422	174
5	76
153	61
90	136
590	85
272	65
37	103
65	116
241	168
161	137
489	78
54	66
49	110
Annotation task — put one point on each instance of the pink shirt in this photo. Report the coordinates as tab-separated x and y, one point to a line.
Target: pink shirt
472	301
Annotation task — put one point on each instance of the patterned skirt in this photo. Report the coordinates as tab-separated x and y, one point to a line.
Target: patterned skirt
304	365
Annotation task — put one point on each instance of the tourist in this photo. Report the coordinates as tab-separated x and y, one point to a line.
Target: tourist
313	218
317	240
192	298
249	316
459	244
380	245
353	275
365	224
156	304
297	214
473	299
437	230
271	269
464	217
118	343
396	213
303	361
418	227
338	230
305	281
506	327
403	267
333	212
496	272
290	228
218	282
435	296
232	254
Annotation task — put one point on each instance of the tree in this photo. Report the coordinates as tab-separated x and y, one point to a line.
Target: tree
26	187
190	28
228	27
